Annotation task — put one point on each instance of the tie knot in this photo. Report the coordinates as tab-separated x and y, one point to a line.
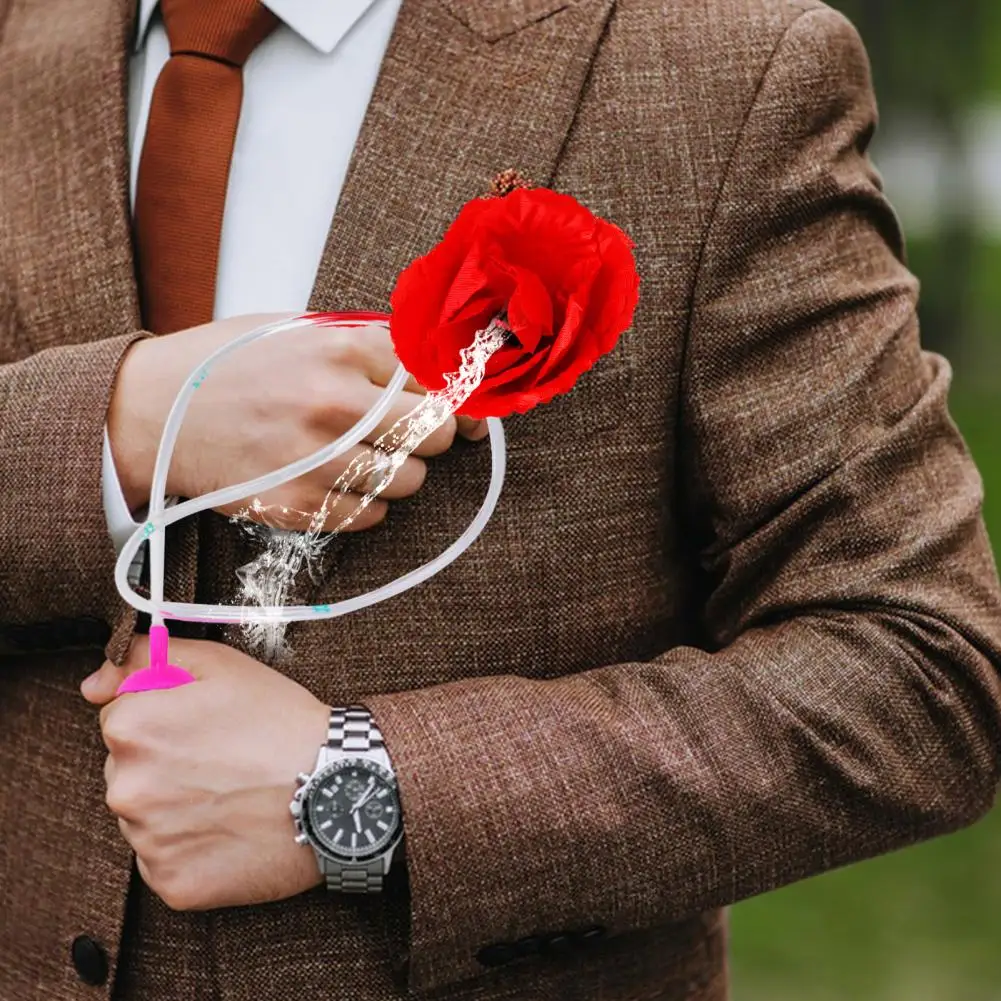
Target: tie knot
226	30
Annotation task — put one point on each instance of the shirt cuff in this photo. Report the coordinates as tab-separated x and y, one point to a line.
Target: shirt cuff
121	523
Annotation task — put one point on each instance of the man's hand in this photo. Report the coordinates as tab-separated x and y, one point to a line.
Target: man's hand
201	777
276	400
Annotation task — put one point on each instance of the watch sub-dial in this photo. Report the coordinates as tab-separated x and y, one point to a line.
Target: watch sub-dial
330	808
373	809
354	788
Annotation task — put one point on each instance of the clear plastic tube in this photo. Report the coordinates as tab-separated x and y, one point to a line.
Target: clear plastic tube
238	491
154	528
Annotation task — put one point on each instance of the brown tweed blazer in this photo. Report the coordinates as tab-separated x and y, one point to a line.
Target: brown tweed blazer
735	622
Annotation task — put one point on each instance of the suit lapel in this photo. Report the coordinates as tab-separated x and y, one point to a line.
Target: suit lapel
462	94
455	103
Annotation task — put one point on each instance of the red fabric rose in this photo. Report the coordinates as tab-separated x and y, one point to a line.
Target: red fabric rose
565	279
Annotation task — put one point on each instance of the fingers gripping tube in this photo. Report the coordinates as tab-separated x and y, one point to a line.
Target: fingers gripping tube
160	674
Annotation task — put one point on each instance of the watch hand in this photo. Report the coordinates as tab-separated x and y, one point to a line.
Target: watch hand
365	796
358	821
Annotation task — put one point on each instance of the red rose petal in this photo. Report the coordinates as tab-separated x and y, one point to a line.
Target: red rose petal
451	338
565	340
616	289
566	278
530	309
470	280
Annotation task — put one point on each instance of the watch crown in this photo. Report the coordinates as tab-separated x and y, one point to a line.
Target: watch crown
295	808
302	778
301	839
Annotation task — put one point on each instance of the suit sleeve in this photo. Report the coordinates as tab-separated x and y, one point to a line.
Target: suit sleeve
847	701
57	558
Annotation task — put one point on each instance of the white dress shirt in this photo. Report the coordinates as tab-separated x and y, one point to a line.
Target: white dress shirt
306	89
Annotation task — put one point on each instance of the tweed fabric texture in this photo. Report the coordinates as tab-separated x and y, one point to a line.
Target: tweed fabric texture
736	620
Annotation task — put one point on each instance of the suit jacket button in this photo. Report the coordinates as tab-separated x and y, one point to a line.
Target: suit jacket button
90	960
496	954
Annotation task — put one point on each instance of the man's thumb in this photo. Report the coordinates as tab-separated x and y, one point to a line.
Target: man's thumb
101	687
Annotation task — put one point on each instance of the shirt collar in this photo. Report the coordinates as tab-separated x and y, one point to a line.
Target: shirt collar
321	23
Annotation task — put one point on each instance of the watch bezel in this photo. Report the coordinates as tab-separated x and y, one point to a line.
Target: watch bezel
314	783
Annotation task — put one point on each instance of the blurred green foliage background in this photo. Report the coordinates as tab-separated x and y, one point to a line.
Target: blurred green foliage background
922	924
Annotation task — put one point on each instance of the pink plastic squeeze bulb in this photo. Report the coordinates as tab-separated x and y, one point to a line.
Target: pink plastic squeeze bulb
159	674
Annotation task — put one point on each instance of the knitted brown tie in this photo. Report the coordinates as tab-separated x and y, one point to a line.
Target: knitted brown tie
184	166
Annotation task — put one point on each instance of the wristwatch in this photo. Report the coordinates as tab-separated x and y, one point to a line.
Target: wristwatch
348	810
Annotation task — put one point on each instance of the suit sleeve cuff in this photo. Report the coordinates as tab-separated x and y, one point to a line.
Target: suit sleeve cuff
462	768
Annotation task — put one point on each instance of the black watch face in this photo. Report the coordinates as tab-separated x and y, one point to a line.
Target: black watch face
353	810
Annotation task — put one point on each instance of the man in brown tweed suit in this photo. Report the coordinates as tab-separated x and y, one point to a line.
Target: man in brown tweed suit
736	619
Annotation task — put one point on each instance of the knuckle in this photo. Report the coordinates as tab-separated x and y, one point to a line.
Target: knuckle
441	439
340	505
416	474
122	800
448	431
118	727
341	404
374	514
316	396
176	892
113	801
373	338
347	350
338	344
329	399
297	501
176	898
288	507
292	505
377	333
305	513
